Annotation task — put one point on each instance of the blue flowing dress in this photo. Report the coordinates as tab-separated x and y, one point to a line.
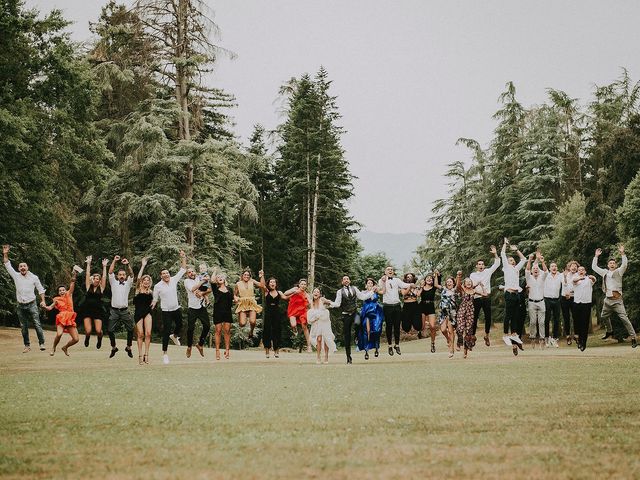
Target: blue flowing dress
372	311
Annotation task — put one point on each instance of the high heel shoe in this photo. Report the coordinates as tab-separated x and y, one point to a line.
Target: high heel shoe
145	359
139	359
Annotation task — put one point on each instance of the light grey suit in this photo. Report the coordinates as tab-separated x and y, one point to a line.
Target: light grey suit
612	282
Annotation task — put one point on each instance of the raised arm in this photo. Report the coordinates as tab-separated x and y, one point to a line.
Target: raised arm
527	269
143	263
503	254
624	262
87	273
103	279
540	258
261	284
183	260
459	281
291	291
496	260
523	259
129	269
594	263
436	280
72	286
7	263
112	267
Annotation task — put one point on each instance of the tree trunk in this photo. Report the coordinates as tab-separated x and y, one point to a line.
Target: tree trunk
314	229
308	212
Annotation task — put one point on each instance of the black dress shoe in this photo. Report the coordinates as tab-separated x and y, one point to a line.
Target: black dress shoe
515	351
129	352
634	342
391	351
366	355
606	335
86	341
349	360
397	349
99	344
113	352
377	353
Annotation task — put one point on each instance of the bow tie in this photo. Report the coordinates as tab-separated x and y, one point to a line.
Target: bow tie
121	282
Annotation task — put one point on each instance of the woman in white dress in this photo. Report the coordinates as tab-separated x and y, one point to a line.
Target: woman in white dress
321	333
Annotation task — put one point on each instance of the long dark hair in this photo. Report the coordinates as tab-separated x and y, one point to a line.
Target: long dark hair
269	281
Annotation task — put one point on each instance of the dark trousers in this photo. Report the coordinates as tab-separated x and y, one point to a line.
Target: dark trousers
484	304
272	328
568	309
169	318
552	310
392	319
511	301
193	315
348	321
581	322
120	317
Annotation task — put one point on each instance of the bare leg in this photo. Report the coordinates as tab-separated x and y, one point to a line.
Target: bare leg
140	338
319	347
218	331
74	339
368	329
147	336
227	338
252	322
59	332
432	327
305	330
293	322
87	330
242	318
326	353
98	324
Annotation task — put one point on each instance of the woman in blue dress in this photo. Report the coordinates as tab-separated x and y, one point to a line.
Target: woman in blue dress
372	318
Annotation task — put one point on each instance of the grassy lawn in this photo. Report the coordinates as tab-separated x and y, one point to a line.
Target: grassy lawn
556	413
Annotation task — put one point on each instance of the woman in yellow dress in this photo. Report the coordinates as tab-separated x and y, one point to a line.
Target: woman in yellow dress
247	305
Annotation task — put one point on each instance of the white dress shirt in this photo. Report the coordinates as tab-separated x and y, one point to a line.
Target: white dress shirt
25	284
120	291
482	280
612	278
535	284
194	301
583	291
167	292
512	273
343	291
567	284
552	285
391	294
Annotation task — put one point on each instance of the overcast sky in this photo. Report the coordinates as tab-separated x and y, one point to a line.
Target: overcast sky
411	76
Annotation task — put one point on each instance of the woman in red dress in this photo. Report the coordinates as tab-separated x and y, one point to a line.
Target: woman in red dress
66	317
297	309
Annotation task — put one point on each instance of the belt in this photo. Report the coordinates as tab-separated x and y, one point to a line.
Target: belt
26	303
120	309
536	301
391	304
552	298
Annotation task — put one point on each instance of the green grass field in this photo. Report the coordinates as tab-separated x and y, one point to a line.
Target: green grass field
556	413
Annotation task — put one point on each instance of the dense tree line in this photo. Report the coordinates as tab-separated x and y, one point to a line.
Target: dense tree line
558	176
125	147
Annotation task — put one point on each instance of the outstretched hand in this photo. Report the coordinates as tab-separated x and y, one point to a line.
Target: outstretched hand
105	262
493	249
598	252
144	261
88	259
621	249
116	258
182	254
5	249
124	261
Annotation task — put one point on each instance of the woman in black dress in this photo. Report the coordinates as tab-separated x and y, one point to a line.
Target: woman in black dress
222	313
428	308
272	318
92	308
142	315
411	316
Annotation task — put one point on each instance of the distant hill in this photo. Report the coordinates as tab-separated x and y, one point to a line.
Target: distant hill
399	247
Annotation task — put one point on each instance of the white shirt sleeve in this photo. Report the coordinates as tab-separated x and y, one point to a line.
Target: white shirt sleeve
505	260
494	267
10	269
521	264
179	275
401	284
596	268
39	286
156	293
338	300
112	279
623	265
362	295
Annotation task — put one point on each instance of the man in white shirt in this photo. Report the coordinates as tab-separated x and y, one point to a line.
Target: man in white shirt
567	304
552	288
536	307
197	309
346	301
512	288
27	309
612	287
166	292
119	314
481	279
390	285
